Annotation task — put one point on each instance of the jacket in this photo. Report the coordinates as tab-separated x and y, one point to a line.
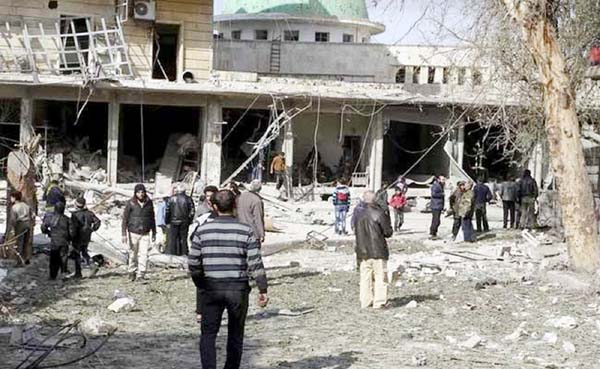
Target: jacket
372	227
58	228
437	196
138	219
180	210
53	196
527	187
251	211
341	196
397	201
466	204
482	194
381	198
454	200
508	191
83	223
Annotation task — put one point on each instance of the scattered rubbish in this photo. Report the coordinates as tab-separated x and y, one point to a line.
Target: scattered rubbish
568	347
472	342
419	360
485	283
411	305
550	337
563	322
517	334
122	304
96	326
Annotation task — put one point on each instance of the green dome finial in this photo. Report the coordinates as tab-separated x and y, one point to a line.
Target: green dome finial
342	9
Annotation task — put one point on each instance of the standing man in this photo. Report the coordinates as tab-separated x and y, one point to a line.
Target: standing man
83	223
179	214
279	169
58	227
53	195
251	210
372	227
454	201
19	222
508	195
223	279
528	193
139	231
341	204
436	204
466	207
483	195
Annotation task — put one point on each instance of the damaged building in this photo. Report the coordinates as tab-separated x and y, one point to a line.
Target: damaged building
126	91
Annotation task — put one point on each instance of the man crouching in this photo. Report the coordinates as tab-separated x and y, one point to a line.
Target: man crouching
372	226
224	255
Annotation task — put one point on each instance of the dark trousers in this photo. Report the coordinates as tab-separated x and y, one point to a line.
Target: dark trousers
85	256
76	257
435	222
57	261
467	227
398	219
280	179
481	216
178	235
456	226
508	209
213	305
22	237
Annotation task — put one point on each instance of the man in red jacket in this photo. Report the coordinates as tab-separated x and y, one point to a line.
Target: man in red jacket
397	203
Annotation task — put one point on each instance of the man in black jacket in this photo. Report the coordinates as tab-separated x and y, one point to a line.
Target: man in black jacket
83	223
372	226
58	227
528	193
138	223
179	215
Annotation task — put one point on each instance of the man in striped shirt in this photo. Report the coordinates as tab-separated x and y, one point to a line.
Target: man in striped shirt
224	256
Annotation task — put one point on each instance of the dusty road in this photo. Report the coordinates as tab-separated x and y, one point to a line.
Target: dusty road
333	332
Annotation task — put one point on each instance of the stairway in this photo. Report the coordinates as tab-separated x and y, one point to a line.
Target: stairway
275	56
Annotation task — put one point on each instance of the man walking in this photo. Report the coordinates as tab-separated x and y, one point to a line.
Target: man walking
454	201
19	221
139	231
179	214
372	227
279	169
251	210
528	193
466	207
483	195
83	223
508	195
436	204
341	204
58	227
223	279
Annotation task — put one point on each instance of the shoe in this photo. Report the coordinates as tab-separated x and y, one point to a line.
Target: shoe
132	277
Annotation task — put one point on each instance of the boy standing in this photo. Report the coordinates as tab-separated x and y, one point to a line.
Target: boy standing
58	227
83	223
397	203
341	202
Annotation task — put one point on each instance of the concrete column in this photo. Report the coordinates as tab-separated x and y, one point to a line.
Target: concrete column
212	118
26	127
112	160
460	146
536	163
288	146
376	158
438	77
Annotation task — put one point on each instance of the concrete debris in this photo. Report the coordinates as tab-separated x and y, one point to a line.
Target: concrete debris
568	347
96	326
568	280
419	360
472	342
485	283
563	322
550	337
18	301
411	305
450	273
122	304
517	334
451	340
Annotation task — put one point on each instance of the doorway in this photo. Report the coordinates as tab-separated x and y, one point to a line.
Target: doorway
164	51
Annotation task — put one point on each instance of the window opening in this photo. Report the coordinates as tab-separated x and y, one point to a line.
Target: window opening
236	35
322	36
164	51
401	75
348	38
261	34
291	35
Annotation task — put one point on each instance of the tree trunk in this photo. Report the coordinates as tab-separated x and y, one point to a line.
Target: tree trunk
562	128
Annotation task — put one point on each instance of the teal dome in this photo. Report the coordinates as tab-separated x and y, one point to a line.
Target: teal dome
341	9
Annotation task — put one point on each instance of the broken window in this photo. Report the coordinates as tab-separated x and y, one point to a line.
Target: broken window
261	34
218	35
164	52
431	75
416	75
236	35
348	38
322	36
291	35
122	9
76	43
445	75
477	77
401	75
462	72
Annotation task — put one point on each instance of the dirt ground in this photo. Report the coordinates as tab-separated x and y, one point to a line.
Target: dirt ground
329	330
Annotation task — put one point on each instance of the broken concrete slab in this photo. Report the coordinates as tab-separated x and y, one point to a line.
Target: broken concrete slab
563	322
96	326
472	342
122	304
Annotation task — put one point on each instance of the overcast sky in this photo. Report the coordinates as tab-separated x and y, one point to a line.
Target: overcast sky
410	23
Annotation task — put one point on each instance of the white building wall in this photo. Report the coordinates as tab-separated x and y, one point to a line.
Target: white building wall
306	30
